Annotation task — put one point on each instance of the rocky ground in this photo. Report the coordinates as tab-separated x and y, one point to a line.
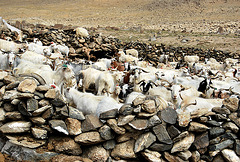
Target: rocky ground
189	23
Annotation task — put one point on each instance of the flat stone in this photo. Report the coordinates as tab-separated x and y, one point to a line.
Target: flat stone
144	141
113	124
200	112
38	120
201	141
153	121
181	136
213	123
91	123
149	106
65	145
123	120
139	124
173	131
10	95
230	155
215	131
15	102
151	156
221	146
32	105
27	85
39	133
38	95
184	144
126	109
73	126
9	79
219	117
9	107
231	104
162	134
44	102
51	94
106	132
43	88
39	111
124	150
234	117
231	126
2	114
96	153
128	136
185	155
160	147
12	85
59	126
61	112
237	147
14	115
195	156
88	138
109	114
109	145
75	113
172	158
221	110
26	141
169	115
197	127
48	113
68	158
23	96
58	101
16	127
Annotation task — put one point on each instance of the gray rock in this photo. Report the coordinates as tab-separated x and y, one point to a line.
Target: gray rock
153	121
126	109
144	141
48	113
23	96
39	133
12	85
61	112
38	95
230	155
88	138
15	102
169	115
26	141
213	123
123	120
215	131
16	127
43	102
218	158
73	126
124	150
128	136
76	114
173	131
160	147
106	132
32	105
22	153
237	147
59	126
109	114
221	146
9	107
162	134
139	124
149	106
10	95
91	123
58	102
109	145
138	100
43	88
201	141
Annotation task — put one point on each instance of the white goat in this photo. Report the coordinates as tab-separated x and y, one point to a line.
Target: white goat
60	48
43	50
7	61
132	52
122	57
10	46
191	59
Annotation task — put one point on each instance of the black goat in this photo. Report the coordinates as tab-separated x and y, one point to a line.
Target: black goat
205	85
146	86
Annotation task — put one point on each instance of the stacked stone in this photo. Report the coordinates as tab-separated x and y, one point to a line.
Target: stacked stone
35	117
106	46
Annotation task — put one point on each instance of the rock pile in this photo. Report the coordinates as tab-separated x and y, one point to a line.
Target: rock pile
37	124
106	46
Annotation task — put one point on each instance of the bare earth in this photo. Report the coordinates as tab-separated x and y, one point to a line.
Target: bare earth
188	23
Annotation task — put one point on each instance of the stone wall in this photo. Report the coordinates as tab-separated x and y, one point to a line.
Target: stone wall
37	124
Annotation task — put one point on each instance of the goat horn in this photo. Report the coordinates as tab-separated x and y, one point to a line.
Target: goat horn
36	76
141	81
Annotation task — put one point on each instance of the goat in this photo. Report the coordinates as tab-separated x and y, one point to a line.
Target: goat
7	61
132	52
63	49
10	46
191	59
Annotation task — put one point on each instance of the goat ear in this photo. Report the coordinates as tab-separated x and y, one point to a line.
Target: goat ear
169	88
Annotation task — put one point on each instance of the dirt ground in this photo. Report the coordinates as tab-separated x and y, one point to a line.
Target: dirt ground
188	23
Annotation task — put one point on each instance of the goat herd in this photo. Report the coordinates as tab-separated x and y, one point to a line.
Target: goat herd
95	87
